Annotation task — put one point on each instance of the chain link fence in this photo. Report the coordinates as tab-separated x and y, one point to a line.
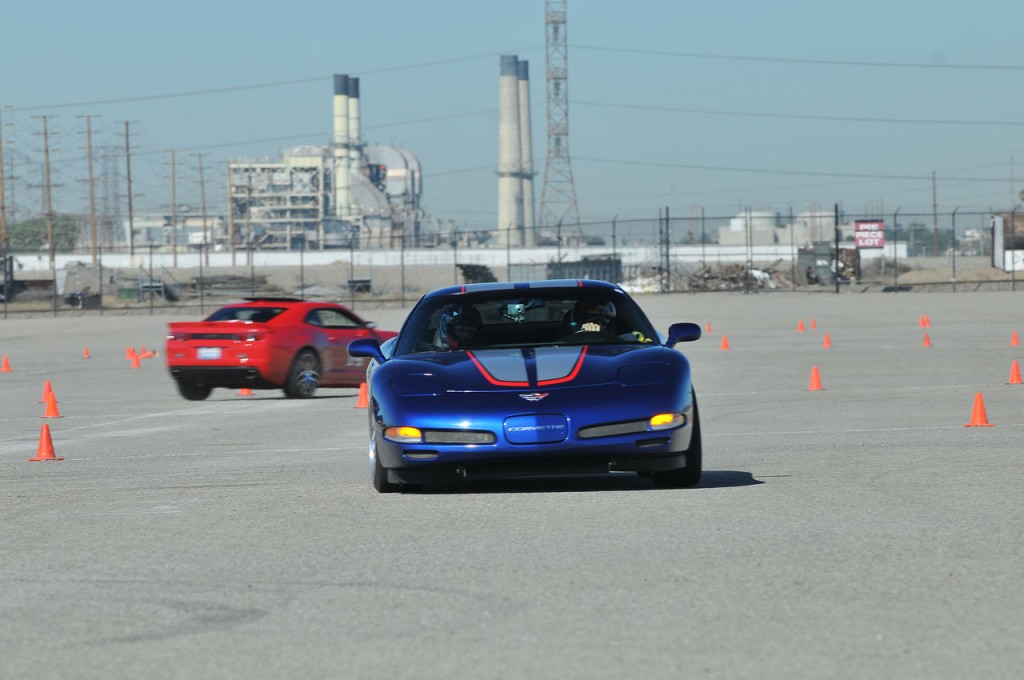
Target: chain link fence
753	251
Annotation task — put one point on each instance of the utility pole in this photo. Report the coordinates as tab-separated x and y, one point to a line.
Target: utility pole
3	203
935	218
231	217
131	213
248	215
92	190
174	208
202	199
48	194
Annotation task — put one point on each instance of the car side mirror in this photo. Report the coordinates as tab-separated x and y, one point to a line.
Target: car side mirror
366	347
682	332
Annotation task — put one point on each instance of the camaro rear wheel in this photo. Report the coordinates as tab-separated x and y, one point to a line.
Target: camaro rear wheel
689	475
304	376
194	391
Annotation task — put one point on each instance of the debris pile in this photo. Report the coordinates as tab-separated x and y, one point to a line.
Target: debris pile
738	277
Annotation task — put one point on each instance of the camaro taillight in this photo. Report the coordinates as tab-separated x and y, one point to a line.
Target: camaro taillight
251	336
403	434
176	335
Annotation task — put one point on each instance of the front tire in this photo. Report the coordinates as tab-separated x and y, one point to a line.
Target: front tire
194	391
303	376
380	474
689	475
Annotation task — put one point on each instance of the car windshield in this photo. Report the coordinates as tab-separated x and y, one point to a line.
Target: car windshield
245	313
541	317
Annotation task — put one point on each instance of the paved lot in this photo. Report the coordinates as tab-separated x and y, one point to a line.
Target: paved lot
860	531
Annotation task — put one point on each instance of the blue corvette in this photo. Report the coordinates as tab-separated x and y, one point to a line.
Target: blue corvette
538	378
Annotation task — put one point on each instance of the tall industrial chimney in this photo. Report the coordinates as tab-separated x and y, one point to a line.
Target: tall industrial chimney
354	135
342	182
526	155
510	193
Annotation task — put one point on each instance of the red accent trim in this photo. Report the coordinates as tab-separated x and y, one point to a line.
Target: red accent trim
572	375
494	381
579	284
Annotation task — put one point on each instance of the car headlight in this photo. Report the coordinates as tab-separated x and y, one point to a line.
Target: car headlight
403	434
666	421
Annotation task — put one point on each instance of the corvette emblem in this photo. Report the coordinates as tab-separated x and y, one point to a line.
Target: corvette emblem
534	396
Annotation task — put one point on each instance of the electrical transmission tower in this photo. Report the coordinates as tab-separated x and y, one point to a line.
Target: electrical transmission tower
558	199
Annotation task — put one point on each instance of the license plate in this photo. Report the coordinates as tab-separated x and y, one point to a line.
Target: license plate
208	353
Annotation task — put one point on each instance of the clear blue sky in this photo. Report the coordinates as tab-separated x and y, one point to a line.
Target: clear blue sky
687	105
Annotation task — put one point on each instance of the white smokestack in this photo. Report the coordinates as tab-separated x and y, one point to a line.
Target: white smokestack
510	196
526	155
354	135
342	186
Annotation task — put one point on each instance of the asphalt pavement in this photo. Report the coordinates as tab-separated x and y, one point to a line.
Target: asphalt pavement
856	531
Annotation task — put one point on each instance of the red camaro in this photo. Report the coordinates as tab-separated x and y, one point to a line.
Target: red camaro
269	343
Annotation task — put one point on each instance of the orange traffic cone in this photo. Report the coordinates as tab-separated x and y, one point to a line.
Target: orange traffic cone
5	367
51	407
1014	340
725	342
85	353
135	361
363	401
45	449
978	416
1014	374
129	353
814	325
927	341
707	327
47	391
245	392
800	326
815	380
827	342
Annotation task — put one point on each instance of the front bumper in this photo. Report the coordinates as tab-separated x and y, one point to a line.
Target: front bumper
639	452
490	469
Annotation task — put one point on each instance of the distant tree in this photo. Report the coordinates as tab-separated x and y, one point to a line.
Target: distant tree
30	235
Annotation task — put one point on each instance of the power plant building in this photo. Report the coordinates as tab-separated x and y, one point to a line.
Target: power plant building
340	195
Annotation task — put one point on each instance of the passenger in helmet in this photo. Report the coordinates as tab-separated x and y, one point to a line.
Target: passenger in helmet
593	315
459	326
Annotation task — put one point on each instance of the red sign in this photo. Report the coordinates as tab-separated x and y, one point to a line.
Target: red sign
869	234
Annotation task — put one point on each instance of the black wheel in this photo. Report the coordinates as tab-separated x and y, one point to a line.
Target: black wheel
689	475
194	391
380	475
304	376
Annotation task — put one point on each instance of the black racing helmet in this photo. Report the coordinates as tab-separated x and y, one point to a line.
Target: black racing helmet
459	327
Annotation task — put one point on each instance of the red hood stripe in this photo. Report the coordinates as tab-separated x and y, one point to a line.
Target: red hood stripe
569	377
494	381
572	374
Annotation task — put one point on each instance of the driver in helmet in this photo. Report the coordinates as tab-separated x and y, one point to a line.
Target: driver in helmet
459	326
593	315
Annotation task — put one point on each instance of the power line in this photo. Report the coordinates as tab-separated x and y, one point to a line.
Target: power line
256	86
765	171
798	116
812	62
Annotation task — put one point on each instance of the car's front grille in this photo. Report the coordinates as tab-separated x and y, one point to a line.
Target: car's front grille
612	429
458	437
